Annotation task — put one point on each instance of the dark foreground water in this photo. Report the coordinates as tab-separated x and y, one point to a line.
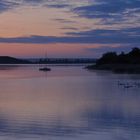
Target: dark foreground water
68	103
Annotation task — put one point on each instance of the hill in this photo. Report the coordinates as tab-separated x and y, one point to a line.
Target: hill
12	60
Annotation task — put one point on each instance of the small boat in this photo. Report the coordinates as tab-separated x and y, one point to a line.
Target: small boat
45	69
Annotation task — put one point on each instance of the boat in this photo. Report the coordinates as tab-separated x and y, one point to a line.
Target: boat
45	68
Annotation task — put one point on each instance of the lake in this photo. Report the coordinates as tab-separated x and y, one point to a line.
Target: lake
68	103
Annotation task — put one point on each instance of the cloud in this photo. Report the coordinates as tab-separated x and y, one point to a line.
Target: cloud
70	28
102	36
7	5
128	35
57	5
107	8
33	1
62	20
10	4
110	10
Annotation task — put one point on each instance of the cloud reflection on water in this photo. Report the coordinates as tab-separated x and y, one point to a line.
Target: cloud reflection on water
77	106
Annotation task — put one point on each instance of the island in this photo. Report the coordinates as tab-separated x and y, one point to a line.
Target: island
119	63
12	60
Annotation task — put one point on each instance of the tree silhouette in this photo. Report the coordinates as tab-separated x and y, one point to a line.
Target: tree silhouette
133	57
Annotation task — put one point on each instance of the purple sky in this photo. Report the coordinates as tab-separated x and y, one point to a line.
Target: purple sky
68	28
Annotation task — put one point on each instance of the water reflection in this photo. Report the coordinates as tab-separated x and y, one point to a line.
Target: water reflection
32	71
87	106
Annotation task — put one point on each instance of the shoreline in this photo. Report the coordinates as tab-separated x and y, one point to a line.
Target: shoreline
117	68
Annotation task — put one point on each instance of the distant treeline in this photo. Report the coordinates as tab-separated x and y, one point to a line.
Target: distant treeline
66	60
11	60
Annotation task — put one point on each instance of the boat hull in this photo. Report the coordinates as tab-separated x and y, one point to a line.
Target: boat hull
44	69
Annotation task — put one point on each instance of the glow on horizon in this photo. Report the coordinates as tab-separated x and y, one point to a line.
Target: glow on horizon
94	19
39	50
25	21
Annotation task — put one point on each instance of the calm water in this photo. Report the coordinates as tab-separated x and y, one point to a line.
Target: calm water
68	103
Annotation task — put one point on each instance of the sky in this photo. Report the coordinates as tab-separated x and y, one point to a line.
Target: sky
68	28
